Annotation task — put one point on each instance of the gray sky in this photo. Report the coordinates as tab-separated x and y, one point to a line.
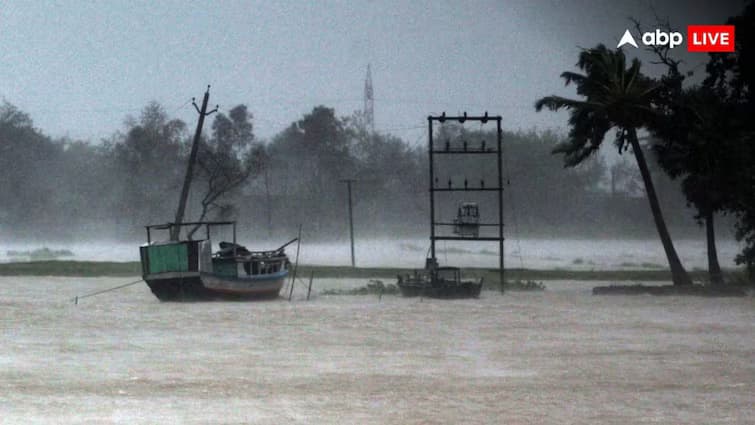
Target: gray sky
78	68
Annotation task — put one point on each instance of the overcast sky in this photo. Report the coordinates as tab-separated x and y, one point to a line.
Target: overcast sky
78	68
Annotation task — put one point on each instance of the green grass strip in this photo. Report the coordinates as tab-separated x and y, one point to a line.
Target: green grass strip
110	268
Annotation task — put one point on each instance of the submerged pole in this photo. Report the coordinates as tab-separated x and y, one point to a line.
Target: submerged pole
296	265
291	292
500	205
309	289
351	219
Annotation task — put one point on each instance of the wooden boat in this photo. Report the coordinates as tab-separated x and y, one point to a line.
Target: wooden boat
188	270
438	282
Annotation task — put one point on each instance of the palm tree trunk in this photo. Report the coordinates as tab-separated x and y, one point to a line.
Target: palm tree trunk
678	275
714	269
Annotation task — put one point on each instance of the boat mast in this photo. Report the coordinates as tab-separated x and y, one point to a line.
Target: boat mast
175	230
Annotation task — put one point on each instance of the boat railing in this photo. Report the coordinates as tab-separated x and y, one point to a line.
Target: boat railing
206	224
250	266
438	275
415	275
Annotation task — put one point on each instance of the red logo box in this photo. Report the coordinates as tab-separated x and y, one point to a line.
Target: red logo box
710	38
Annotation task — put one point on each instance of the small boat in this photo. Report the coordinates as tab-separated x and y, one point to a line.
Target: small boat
438	282
188	270
467	221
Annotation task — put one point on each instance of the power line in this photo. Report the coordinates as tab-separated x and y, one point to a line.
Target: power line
181	107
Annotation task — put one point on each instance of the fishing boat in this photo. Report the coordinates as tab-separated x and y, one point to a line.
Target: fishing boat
186	269
438	282
189	270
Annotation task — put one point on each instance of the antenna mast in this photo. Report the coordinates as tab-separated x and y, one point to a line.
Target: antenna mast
369	102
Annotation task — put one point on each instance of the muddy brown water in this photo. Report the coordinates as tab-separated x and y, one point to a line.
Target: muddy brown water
561	356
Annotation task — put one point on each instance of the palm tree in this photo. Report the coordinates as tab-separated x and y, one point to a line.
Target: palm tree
616	97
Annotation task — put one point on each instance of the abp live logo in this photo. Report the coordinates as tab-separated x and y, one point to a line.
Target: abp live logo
700	38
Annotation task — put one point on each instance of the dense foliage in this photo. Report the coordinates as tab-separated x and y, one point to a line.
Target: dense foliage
705	137
731	76
64	189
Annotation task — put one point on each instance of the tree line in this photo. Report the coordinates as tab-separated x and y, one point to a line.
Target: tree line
702	133
67	190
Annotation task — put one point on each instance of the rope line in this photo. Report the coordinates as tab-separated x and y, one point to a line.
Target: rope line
91	294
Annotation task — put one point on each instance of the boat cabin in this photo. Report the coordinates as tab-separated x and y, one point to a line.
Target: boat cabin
467	221
192	257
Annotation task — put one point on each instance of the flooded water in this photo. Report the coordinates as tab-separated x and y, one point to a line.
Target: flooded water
555	357
575	254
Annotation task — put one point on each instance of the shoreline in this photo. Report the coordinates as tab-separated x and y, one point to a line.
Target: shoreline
133	268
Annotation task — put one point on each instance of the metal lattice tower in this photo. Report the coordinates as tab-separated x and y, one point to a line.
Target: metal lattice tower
369	102
493	151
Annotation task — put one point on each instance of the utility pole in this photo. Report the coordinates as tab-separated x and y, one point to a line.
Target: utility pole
176	229
351	219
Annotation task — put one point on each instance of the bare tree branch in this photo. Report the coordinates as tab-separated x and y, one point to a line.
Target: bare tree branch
662	52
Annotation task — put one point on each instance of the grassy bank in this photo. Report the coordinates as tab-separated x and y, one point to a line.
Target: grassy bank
71	268
102	268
